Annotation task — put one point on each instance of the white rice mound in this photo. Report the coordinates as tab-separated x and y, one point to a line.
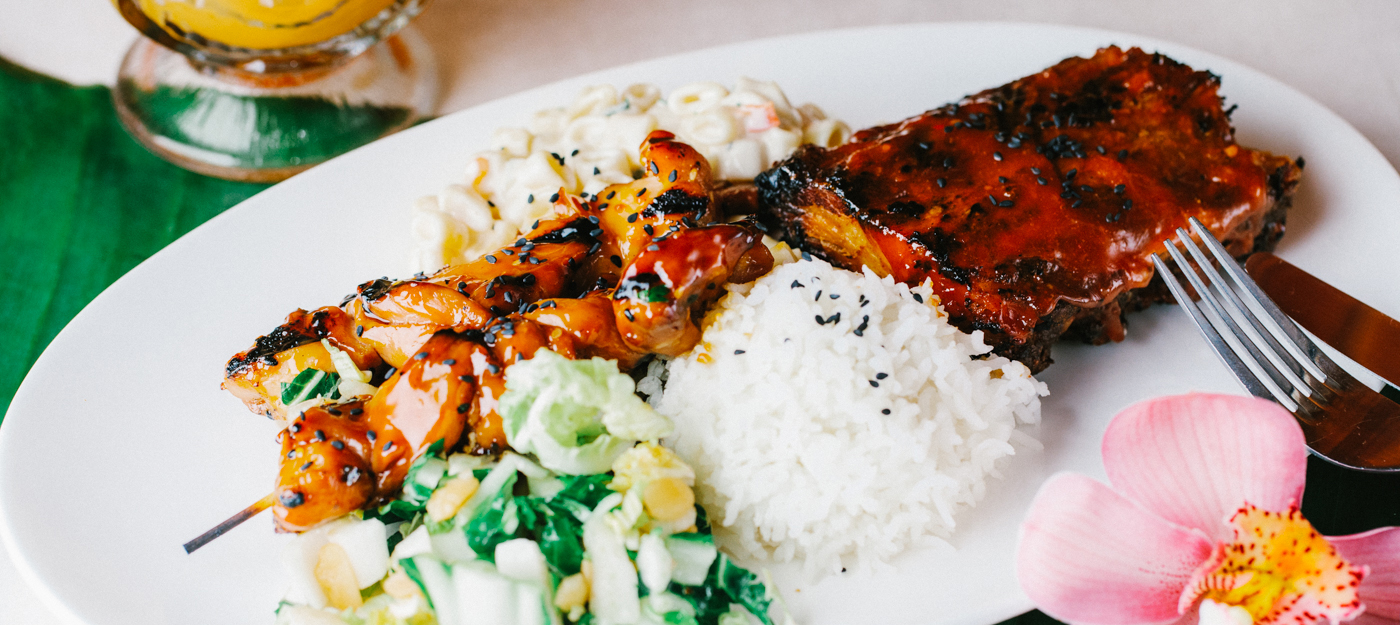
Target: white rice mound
781	416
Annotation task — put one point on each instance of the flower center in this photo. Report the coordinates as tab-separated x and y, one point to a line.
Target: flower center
1279	569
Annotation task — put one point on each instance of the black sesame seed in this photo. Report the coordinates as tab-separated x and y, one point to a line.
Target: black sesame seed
552	198
797	285
1035	170
673	175
320	435
1042	181
1006	204
1127	204
641	193
942	182
420	355
334	412
389	445
653	247
292	499
885	411
616	260
918	298
1122	154
1120	189
530	199
355	412
493	368
1003	179
450	361
654	168
881	376
738	351
461	408
359	330
819	295
820	320
491	259
1077	204
835	296
996	156
628	313
874	383
611	194
1069	175
338	445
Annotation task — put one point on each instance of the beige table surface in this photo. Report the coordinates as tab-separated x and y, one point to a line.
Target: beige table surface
1344	53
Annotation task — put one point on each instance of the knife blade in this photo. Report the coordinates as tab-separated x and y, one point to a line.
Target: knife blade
1363	333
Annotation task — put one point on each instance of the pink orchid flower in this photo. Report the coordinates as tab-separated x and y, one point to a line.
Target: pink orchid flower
1201	522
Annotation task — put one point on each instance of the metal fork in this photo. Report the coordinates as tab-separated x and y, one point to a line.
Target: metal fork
1343	421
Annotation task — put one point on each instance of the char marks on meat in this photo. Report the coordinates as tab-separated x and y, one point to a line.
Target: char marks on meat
1034	208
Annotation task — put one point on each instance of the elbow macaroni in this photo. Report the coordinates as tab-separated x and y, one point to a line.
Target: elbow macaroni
593	142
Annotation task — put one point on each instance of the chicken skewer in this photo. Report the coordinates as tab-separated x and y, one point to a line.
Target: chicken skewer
628	273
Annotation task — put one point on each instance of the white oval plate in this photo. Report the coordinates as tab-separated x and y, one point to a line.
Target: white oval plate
120	446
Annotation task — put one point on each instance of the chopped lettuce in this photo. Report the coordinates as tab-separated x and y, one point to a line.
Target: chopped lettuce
310	384
576	416
588	490
423	476
553	522
353	381
692	554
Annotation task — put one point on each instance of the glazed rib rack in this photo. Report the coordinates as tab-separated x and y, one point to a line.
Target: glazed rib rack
1034	208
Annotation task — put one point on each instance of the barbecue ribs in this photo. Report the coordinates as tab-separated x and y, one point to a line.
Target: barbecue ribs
1034	208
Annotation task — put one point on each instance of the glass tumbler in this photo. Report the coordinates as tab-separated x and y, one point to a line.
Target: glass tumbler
258	90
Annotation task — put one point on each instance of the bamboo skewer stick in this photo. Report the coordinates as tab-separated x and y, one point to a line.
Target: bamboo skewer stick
232	522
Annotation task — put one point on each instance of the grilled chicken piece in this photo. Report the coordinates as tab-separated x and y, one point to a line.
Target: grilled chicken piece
1034	208
256	374
338	459
664	295
326	467
590	320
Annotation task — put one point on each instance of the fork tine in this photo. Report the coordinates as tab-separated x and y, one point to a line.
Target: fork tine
1248	376
1279	325
1243	317
1231	334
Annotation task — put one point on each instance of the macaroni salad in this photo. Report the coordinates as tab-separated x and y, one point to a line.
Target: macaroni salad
594	142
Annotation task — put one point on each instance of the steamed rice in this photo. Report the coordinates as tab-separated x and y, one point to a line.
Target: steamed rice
837	418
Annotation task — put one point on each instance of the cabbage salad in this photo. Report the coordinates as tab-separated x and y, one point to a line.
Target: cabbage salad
589	521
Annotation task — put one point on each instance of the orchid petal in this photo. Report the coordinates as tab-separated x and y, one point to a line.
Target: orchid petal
1378	550
1195	459
1088	555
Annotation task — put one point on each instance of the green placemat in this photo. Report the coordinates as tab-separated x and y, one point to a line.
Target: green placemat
81	203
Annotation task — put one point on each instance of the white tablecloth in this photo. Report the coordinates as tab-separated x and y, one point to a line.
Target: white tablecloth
1344	53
